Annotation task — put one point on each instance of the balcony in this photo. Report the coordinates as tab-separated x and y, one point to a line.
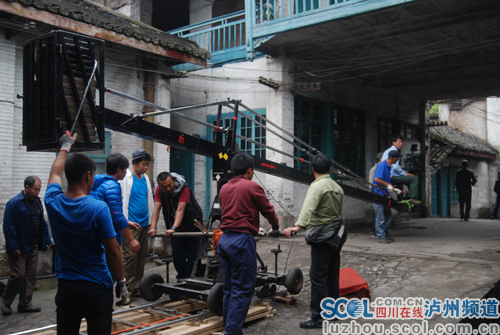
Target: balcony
228	38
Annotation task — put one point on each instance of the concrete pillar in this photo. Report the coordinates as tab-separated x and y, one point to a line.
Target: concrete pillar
425	176
280	107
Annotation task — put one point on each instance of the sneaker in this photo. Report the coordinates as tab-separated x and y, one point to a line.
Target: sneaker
390	239
6	310
466	219
127	301
374	234
384	240
310	323
29	309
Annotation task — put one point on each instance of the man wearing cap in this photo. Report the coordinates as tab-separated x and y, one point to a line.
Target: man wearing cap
383	215
400	176
137	207
464	181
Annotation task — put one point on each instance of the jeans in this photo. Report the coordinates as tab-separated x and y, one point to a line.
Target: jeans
465	199
22	279
77	299
324	273
383	217
494	215
238	258
412	183
184	252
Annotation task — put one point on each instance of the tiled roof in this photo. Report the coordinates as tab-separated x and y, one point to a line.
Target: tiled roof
96	15
456	138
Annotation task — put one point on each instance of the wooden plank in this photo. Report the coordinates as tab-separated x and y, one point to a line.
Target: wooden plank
147	315
214	323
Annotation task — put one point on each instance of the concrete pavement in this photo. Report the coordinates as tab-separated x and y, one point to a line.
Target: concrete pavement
431	258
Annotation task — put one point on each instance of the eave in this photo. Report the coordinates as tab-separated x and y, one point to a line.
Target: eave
98	32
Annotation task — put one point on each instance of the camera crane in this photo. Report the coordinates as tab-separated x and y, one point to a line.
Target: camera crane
221	150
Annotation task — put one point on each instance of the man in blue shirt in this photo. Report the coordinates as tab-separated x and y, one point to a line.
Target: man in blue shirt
400	176
382	179
138	205
85	239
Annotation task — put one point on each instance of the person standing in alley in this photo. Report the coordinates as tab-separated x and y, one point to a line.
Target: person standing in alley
26	233
496	189
321	215
137	198
464	181
241	202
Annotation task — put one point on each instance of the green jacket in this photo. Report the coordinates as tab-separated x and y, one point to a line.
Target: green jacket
323	203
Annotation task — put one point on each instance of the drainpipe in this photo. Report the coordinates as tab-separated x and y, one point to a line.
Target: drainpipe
425	149
149	96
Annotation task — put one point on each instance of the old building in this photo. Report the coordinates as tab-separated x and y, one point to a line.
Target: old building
134	53
469	134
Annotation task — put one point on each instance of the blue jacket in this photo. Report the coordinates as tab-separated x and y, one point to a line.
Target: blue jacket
106	188
17	226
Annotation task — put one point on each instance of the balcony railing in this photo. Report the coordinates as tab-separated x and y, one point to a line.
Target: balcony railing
271	10
235	36
218	34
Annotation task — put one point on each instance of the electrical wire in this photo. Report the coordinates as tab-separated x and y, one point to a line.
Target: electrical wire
367	47
272	196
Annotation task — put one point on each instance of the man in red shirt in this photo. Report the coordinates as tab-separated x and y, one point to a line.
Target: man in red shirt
180	209
241	201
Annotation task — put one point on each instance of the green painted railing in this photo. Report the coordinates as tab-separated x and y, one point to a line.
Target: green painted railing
235	36
218	34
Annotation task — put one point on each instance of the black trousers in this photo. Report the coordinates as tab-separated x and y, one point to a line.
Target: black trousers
324	273
465	198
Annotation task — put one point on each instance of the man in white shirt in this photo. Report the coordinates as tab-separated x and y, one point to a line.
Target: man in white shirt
400	176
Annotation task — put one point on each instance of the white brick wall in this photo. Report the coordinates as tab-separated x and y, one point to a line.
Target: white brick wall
241	83
121	73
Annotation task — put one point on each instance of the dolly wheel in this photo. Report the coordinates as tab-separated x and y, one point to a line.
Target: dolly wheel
147	286
294	280
215	299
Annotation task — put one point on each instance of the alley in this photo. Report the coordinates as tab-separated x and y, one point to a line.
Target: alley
431	258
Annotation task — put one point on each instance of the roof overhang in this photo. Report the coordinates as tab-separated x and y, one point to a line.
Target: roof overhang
425	49
102	33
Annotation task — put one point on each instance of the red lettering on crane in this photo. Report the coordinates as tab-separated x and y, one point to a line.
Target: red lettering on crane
269	166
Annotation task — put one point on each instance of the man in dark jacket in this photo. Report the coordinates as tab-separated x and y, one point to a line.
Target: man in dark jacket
464	181
180	210
496	189
25	233
241	202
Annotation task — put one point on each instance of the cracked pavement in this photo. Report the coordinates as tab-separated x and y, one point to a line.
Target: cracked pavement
431	258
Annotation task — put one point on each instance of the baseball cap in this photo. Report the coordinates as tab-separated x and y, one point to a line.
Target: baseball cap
394	154
139	153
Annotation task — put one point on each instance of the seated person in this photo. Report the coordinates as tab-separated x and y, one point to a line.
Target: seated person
400	176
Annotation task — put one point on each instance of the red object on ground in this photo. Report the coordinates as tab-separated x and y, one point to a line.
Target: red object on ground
352	284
